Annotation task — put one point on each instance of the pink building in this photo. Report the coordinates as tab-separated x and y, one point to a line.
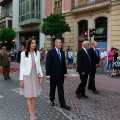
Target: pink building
48	7
57	6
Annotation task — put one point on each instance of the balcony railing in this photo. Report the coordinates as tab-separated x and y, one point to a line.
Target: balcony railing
4	2
6	14
89	4
57	10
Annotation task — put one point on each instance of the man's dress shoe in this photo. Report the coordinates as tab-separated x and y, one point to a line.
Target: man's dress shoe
96	92
8	77
85	96
5	78
52	103
78	95
66	107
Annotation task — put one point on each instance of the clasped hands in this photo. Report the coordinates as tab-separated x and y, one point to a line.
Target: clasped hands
39	82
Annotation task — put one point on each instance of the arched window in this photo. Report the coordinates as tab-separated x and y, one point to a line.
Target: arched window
83	29
101	29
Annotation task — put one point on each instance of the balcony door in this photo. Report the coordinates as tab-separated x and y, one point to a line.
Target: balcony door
82	32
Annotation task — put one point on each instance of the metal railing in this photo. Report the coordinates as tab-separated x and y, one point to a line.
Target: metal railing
86	3
6	14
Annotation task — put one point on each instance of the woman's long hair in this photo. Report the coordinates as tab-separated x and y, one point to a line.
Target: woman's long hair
28	43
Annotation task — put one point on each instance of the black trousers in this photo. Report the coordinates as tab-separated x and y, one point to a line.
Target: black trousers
82	85
91	84
6	71
59	83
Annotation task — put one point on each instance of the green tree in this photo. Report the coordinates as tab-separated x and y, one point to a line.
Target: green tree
54	24
7	34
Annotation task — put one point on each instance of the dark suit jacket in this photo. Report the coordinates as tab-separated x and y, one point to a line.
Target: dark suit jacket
83	62
94	58
19	56
54	68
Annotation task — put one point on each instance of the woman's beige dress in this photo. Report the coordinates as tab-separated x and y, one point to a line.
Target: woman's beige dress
32	88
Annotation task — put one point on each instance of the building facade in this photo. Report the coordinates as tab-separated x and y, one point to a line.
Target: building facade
5	15
82	15
25	17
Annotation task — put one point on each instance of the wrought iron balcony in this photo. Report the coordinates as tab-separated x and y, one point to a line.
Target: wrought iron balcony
88	4
6	14
4	2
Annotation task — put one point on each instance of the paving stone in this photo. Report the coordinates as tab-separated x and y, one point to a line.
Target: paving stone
98	107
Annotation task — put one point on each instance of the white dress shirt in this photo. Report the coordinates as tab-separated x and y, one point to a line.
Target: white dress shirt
103	55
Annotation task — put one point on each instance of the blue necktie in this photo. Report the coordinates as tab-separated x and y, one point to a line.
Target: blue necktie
59	55
88	57
96	52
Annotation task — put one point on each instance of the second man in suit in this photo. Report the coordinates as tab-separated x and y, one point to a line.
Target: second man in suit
56	72
95	58
83	68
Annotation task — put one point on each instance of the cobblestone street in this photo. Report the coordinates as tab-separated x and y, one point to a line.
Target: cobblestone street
98	107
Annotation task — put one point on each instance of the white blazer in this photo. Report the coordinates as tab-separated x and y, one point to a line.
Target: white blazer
26	64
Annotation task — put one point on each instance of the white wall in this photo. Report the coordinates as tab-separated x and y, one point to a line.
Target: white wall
15	22
42	36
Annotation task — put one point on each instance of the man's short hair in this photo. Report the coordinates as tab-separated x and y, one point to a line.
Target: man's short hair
3	47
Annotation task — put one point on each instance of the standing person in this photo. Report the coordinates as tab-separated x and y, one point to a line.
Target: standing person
83	68
42	58
12	54
115	54
75	58
103	58
5	62
56	72
70	59
95	58
31	75
22	48
110	59
68	49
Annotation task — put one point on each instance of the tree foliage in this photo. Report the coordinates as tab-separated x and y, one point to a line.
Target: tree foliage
7	34
54	24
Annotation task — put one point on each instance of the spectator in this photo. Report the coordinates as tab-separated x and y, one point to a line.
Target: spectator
103	58
5	62
110	59
68	49
75	58
116	67
118	51
12	53
42	55
70	59
115	54
22	48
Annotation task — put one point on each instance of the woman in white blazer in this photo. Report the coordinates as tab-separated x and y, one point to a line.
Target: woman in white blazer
31	75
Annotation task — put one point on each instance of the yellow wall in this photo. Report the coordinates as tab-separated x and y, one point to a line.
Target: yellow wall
115	26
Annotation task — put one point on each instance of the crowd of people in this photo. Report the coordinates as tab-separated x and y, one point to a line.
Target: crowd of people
86	61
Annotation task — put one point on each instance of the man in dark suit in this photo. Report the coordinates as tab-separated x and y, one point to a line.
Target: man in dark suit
19	53
56	72
95	58
83	68
5	62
